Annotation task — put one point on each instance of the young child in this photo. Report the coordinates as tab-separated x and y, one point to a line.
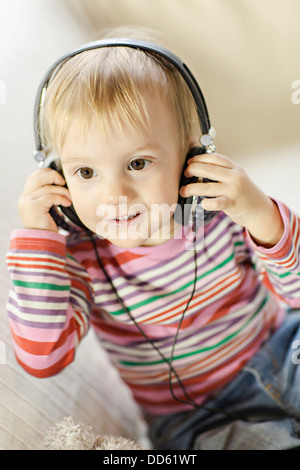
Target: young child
217	361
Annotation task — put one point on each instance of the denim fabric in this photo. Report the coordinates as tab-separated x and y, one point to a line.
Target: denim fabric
262	402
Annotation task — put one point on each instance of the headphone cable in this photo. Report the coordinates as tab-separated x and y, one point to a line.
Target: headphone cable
126	309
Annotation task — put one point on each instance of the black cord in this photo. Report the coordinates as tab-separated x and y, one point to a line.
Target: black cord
190	400
171	368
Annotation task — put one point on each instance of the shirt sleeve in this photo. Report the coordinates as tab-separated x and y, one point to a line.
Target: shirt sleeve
280	263
49	302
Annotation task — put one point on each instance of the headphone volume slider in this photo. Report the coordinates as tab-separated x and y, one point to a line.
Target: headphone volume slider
207	140
39	157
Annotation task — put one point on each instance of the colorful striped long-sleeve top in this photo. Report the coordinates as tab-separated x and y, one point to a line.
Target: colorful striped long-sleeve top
59	290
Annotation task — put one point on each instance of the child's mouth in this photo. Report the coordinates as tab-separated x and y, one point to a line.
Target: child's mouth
125	218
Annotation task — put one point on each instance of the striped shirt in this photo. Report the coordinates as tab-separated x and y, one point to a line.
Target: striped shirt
59	290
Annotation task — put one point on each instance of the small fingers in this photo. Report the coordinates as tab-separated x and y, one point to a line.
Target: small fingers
213	158
212	166
46	201
220	203
210	189
208	170
42	177
51	190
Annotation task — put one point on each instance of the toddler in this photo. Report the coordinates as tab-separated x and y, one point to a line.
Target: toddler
204	338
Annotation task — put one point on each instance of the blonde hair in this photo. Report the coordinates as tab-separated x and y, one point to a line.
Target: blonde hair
111	84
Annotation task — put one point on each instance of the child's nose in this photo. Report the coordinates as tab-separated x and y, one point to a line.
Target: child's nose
113	188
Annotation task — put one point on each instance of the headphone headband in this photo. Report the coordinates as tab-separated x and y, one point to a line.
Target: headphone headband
207	131
207	137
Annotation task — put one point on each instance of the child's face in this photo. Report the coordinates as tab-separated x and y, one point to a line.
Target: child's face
124	184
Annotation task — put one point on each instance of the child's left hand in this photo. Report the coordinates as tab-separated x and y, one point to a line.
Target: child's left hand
235	194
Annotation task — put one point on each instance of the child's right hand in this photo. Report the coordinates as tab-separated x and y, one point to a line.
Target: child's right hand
42	190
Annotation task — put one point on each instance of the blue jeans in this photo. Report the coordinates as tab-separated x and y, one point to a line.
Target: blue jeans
262	402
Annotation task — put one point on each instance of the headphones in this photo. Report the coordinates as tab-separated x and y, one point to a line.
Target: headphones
206	141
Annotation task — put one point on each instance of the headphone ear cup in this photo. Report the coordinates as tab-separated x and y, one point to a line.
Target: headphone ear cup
69	212
182	215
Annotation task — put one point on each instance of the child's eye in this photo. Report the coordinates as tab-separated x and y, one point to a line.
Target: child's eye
85	173
139	164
